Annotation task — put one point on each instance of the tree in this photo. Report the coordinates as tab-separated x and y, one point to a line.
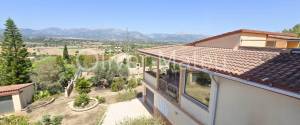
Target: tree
66	54
124	71
15	65
66	72
46	72
118	84
83	86
295	29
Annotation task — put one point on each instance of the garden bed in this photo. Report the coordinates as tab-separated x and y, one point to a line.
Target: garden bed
39	104
92	104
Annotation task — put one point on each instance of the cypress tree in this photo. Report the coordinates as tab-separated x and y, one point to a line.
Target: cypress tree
66	54
15	66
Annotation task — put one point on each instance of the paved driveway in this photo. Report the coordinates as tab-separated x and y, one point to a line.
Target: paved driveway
119	111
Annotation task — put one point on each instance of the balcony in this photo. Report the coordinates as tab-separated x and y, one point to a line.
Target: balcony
150	78
168	85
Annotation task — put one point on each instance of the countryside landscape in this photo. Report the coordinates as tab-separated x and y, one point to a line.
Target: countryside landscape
170	68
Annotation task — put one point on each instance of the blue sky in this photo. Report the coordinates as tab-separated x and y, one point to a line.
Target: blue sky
154	16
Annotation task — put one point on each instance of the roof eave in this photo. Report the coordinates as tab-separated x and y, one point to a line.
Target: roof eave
255	84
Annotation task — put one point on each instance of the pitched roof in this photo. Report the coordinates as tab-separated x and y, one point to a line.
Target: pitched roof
278	34
273	69
12	89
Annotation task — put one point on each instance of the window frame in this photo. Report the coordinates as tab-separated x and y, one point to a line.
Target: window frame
191	98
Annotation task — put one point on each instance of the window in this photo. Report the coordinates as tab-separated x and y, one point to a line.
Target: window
271	44
198	86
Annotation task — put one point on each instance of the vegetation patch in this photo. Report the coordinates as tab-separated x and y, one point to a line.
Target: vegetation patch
100	99
82	100
126	96
23	120
50	120
142	121
14	120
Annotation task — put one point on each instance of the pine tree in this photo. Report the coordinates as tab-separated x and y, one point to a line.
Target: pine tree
66	54
14	62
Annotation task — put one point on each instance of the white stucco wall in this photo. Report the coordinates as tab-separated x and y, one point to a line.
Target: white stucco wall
149	79
253	40
175	115
17	102
26	95
241	104
195	110
230	41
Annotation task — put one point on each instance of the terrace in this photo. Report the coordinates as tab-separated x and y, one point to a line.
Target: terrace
163	76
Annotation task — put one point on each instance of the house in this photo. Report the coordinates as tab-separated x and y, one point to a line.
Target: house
14	98
195	85
250	38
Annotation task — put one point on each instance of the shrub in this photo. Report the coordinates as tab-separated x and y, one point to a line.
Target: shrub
41	95
132	83
118	84
55	89
142	121
57	120
81	100
48	120
127	95
100	99
83	85
14	120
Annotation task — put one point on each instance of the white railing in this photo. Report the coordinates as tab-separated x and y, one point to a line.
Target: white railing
71	84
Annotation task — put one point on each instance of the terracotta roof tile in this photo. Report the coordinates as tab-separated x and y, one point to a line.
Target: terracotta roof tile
12	89
280	70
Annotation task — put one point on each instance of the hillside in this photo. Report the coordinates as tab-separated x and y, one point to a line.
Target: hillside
107	34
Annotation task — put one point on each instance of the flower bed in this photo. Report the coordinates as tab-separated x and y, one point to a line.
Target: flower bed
92	104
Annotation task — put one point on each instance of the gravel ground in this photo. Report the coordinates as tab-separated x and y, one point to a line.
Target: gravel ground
118	112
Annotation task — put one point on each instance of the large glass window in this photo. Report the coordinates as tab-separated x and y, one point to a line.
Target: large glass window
198	86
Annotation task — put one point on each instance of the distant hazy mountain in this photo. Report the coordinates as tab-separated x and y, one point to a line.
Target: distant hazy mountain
107	34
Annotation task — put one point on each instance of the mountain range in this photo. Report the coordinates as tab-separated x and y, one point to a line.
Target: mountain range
106	34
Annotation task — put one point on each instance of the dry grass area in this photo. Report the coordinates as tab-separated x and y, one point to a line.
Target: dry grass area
60	107
59	50
201	93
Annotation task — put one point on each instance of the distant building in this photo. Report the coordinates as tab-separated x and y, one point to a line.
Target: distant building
14	98
250	38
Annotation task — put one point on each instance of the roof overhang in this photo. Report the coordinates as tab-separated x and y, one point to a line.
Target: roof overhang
224	75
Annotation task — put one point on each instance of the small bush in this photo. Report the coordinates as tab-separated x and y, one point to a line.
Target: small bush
100	99
14	120
83	85
48	120
56	120
81	100
118	84
132	83
55	89
128	95
41	95
142	121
